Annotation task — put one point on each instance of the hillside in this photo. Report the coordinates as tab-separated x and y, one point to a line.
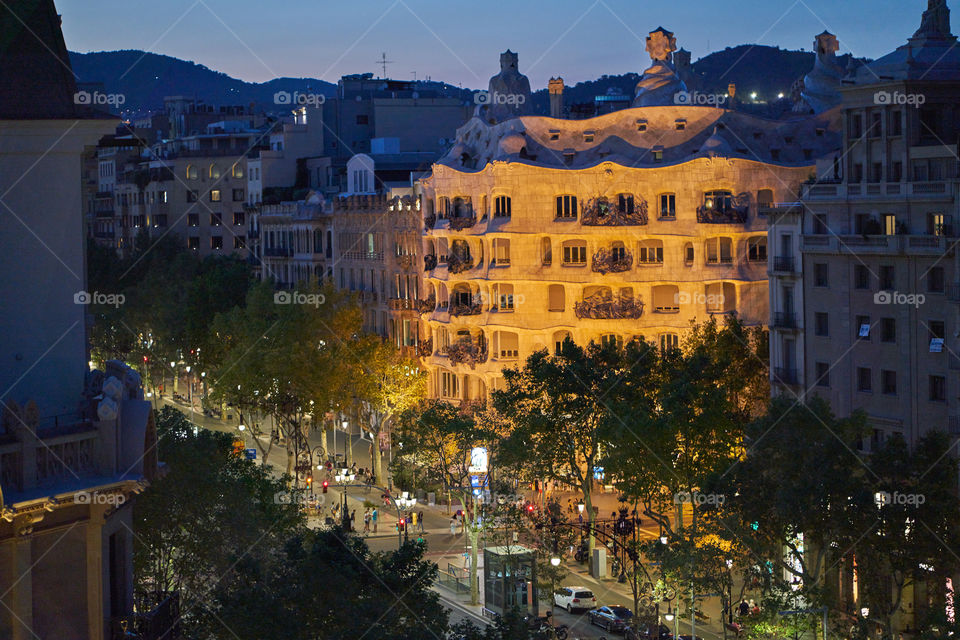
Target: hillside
145	78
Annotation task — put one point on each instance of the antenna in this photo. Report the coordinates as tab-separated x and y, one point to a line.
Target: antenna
383	62
414	75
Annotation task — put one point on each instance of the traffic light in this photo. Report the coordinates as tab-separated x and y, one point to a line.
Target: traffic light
325	485
401	524
530	509
309	481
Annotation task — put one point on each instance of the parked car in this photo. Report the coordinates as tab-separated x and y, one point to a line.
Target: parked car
571	598
612	618
648	632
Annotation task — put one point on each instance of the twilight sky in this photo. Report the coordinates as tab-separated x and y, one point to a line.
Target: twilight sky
460	41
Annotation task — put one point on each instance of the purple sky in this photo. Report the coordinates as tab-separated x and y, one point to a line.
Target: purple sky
460	41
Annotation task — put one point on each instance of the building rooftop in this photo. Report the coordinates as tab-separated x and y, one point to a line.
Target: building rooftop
634	137
35	74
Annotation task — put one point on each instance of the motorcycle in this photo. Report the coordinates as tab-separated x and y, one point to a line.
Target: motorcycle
544	628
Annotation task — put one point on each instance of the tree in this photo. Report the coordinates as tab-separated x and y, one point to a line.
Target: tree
289	360
388	385
914	525
557	415
439	438
210	508
796	496
327	584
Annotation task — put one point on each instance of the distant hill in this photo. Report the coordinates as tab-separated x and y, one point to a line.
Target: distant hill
145	78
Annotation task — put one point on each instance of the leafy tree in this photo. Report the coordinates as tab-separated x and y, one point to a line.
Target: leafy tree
387	385
327	584
908	535
557	414
292	362
796	496
440	437
209	509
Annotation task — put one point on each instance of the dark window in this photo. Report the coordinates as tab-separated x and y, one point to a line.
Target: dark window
821	324
861	277
864	380
238	195
668	205
938	389
239	242
935	280
193	219
823	374
625	204
896	124
567	207
887	279
363	119
935	329
192	195
888	330
193	243
216	242
819	224
239	218
888	382
215	220
160	220
821	274
502	207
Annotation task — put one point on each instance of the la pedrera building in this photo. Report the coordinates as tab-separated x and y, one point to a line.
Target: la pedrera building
630	224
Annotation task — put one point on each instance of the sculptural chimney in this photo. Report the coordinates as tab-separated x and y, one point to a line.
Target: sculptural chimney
555	88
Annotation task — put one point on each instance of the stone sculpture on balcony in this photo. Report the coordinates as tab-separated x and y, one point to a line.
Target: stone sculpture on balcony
605	261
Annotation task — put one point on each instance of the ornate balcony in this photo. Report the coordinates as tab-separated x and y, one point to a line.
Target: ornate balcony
724	210
460	309
468	351
601	307
459	224
459	264
429	262
605	262
599	212
425	348
428	305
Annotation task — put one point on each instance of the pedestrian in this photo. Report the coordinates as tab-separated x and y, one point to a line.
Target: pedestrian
453	526
420	521
373	516
366	521
744	608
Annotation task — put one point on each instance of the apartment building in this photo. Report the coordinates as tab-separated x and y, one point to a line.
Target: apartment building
75	445
630	224
878	255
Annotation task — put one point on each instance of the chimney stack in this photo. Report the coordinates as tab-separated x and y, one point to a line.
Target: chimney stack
556	97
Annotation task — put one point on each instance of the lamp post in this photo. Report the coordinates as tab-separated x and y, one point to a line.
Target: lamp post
173	366
405	502
344	477
670	616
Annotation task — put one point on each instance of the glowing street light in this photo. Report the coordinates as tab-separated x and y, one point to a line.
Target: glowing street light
555	561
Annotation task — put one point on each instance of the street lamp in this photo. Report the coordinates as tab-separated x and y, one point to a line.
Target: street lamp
670	616
580	506
405	502
555	561
344	476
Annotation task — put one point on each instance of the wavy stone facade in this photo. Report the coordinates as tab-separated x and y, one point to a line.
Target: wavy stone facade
636	223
